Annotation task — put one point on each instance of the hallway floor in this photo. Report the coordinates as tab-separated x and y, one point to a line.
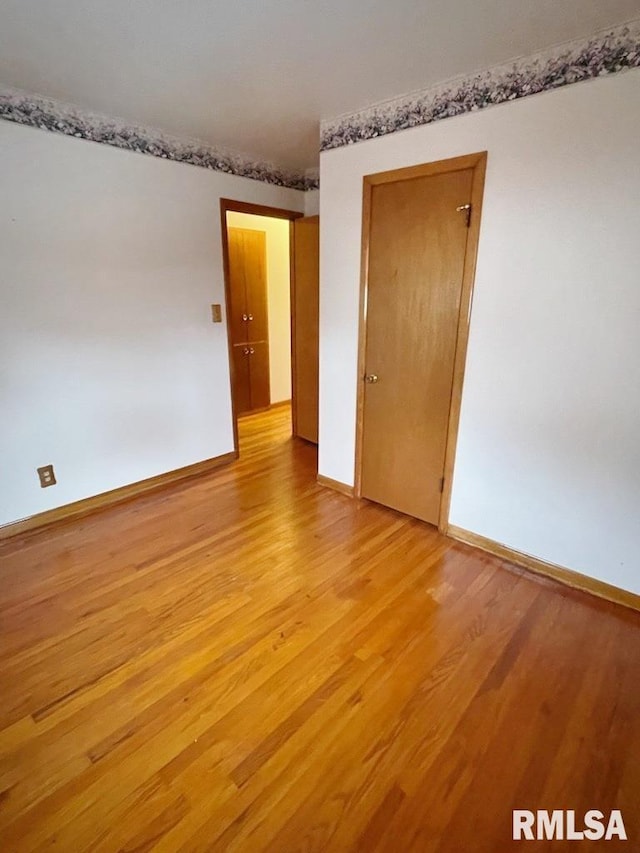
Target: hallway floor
248	661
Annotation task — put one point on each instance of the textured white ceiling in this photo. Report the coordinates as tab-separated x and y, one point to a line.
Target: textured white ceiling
256	77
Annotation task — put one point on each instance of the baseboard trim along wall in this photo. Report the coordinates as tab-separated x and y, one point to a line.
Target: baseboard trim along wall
336	485
568	577
87	506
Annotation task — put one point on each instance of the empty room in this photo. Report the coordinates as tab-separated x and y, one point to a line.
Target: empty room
319	426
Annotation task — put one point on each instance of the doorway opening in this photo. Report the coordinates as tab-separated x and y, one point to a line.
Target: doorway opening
270	260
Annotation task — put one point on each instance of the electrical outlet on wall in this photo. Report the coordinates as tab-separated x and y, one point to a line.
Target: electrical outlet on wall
47	476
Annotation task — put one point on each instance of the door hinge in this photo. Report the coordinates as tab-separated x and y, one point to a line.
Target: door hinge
466	209
442	484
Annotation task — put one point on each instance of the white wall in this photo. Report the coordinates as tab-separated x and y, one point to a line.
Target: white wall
278	296
548	455
312	202
111	369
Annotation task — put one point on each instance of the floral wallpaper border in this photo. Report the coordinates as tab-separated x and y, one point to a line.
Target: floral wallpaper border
609	52
49	114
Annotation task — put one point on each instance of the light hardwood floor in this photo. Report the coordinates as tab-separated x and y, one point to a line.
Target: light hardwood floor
251	662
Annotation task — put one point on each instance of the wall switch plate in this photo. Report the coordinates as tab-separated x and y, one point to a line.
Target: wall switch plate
47	476
216	313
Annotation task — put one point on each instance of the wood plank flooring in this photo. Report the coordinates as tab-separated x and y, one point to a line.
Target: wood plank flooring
251	662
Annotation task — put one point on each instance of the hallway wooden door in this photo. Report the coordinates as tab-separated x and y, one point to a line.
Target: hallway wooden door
249	319
418	232
305	297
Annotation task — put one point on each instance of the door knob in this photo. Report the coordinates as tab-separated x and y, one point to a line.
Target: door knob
371	378
251	350
250	316
244	318
246	350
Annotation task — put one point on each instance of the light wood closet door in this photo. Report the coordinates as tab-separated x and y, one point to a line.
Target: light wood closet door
259	371
305	310
249	318
237	286
416	261
241	378
255	278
